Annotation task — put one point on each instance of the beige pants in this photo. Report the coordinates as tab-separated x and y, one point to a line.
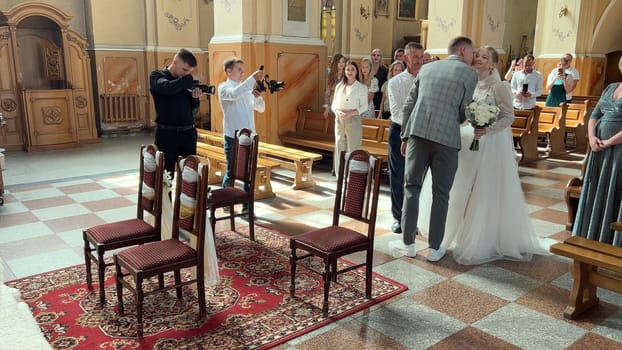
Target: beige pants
348	137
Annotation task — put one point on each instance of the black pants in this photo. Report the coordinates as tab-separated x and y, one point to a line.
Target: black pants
174	144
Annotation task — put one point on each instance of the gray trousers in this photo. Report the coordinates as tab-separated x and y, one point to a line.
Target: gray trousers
443	163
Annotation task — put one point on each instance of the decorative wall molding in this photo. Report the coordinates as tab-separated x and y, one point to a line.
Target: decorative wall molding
492	24
52	115
359	35
8	105
444	25
176	22
81	101
561	35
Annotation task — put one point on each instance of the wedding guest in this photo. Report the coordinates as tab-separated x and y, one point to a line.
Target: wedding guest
333	78
378	71
427	58
526	85
367	79
570	70
349	103
398	89
430	137
398	54
558	83
600	202
396	68
487	217
515	66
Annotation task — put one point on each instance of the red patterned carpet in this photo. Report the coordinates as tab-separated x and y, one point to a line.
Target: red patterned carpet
249	309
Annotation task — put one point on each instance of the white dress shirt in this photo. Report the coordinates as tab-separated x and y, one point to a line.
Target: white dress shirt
237	103
398	89
534	80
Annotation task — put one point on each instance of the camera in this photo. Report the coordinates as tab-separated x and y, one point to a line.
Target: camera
272	85
206	89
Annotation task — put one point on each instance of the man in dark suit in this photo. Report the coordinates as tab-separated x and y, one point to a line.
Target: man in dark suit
430	136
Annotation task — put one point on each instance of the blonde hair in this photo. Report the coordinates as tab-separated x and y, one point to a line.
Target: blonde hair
366	80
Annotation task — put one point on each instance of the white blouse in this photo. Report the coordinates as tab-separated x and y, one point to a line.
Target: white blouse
354	98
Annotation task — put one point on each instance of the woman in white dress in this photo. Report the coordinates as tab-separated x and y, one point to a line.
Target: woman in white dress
487	217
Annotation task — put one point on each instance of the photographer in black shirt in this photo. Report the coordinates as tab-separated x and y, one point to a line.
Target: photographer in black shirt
176	100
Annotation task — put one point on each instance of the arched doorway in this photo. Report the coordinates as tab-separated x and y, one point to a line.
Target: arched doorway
45	80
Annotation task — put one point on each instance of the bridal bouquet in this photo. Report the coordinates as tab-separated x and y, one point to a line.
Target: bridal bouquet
481	114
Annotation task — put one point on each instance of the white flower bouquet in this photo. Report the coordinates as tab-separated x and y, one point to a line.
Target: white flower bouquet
480	114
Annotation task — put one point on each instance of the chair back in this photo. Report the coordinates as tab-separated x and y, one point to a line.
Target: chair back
245	150
150	183
358	187
190	208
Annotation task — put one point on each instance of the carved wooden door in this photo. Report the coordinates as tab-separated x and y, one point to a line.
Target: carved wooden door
50	119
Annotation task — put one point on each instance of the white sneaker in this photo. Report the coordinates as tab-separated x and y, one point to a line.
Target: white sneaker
436	254
402	249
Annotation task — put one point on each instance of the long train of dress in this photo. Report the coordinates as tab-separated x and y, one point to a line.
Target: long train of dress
487	217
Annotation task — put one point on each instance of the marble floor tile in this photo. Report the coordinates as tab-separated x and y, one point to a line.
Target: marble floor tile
500	282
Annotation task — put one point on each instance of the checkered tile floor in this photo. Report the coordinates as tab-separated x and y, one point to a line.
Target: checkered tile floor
501	305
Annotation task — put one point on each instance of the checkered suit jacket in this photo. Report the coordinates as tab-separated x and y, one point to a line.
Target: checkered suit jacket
434	108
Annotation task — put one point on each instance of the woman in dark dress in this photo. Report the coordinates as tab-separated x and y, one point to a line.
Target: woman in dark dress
600	203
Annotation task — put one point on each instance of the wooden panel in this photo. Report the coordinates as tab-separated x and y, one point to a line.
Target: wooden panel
50	118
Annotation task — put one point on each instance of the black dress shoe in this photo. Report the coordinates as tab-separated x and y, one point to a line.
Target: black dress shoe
396	227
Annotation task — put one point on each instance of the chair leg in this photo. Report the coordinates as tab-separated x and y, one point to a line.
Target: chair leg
87	262
212	219
139	306
368	280
251	221
327	278
292	274
178	284
118	277
232	218
201	293
101	271
161	281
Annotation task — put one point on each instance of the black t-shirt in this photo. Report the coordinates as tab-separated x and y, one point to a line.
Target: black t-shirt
381	75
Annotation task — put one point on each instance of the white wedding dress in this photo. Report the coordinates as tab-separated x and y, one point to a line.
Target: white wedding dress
487	217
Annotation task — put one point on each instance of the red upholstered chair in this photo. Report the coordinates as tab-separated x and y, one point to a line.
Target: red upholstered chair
243	169
135	264
358	186
102	238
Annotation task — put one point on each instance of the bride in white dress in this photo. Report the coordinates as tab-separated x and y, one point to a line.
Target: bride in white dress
487	217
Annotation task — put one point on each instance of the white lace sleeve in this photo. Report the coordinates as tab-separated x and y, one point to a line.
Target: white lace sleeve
503	96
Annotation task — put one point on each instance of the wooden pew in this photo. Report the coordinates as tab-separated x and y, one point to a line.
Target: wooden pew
218	161
316	132
525	132
577	117
301	162
552	124
590	258
572	192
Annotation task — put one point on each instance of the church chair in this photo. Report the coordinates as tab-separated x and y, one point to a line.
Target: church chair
243	169
106	237
136	264
356	197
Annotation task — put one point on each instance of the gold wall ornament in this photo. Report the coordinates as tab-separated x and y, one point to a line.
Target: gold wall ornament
563	12
81	101
364	11
8	105
52	115
176	22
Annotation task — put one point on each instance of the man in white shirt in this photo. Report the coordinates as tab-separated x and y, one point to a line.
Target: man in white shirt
398	90
238	99
526	85
575	76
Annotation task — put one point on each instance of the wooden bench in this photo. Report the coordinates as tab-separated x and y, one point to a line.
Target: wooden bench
577	117
218	161
316	132
299	161
572	192
552	124
525	132
590	258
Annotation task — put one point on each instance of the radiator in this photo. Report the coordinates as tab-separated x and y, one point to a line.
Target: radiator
119	108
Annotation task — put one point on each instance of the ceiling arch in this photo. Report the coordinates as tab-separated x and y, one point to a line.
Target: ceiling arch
606	36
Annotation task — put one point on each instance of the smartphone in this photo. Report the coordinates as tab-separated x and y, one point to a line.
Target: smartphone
525	88
261	67
560	70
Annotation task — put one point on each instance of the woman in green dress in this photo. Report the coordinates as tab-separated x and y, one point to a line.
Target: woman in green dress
600	203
